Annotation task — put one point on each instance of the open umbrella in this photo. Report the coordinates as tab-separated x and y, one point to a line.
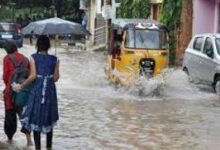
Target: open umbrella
53	26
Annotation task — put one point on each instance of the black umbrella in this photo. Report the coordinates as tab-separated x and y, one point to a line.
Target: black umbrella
54	26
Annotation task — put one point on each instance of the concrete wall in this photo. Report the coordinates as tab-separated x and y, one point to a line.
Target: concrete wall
204	16
96	21
217	21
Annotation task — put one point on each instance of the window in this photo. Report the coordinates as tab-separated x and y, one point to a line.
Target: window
8	27
198	43
208	45
217	42
146	39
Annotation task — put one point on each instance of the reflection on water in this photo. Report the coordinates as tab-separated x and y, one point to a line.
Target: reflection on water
165	113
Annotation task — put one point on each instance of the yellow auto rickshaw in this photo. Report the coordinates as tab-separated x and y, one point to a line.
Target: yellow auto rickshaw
137	47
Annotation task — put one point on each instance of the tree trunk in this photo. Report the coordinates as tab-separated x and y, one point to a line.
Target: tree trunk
184	34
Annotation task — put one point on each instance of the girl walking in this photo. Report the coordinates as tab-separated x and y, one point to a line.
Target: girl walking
11	110
41	111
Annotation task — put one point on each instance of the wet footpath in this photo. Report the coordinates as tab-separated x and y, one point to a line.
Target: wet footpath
165	113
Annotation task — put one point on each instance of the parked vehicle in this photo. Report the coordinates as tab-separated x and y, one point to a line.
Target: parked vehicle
10	31
202	59
137	47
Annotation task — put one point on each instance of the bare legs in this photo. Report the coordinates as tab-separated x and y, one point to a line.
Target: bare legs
29	141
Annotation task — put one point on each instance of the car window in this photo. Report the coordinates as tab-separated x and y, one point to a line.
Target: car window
8	27
198	43
208	45
217	42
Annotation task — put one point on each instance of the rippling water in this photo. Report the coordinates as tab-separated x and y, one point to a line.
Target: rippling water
165	113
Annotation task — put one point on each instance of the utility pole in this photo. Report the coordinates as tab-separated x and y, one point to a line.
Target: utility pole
107	3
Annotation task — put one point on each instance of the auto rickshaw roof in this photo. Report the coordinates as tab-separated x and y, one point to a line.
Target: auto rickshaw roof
121	24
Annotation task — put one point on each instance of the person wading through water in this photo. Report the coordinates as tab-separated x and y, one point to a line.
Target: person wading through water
41	111
11	110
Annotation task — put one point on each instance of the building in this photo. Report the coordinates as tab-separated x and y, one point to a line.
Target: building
98	26
206	16
156	6
96	23
197	17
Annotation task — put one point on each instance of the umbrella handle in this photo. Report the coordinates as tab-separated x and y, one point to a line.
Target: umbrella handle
56	39
55	47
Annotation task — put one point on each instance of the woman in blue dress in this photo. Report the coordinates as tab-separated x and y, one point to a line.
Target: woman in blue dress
41	111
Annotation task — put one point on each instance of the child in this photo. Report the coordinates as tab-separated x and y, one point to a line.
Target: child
11	111
41	112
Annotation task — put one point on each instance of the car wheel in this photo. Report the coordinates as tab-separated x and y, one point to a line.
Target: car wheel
217	86
188	75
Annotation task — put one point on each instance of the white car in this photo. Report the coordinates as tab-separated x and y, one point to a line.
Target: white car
202	59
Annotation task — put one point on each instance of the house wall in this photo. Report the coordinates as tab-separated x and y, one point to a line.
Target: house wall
217	18
204	19
204	16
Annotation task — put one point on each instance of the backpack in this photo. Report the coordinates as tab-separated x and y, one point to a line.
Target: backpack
20	73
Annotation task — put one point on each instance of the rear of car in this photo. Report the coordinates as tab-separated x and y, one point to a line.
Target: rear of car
10	31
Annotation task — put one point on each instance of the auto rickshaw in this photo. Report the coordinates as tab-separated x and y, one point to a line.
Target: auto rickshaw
137	47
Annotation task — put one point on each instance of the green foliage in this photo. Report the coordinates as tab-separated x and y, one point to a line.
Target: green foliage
170	15
134	9
3	2
64	8
171	12
71	10
5	12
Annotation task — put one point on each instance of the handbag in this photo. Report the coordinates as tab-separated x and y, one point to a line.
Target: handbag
20	98
20	73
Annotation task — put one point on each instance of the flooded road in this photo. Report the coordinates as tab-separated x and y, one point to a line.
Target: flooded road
166	113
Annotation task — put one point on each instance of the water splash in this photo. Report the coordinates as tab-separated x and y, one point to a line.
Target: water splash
178	86
88	73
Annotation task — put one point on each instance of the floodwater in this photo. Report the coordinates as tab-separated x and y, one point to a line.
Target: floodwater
165	113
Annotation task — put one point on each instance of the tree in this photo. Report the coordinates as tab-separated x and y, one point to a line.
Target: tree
45	3
67	8
71	10
59	6
134	9
25	3
170	15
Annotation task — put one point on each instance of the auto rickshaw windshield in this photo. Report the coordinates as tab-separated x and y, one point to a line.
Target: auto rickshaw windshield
146	39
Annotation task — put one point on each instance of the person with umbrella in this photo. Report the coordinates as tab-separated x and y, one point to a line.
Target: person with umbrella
55	27
41	111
